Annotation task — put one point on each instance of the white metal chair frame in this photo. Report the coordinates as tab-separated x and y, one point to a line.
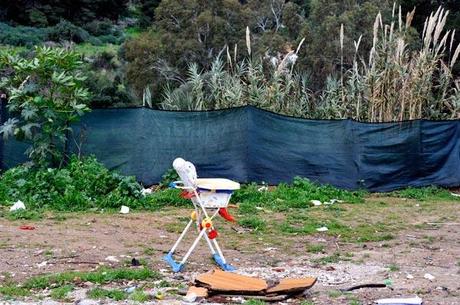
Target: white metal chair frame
203	221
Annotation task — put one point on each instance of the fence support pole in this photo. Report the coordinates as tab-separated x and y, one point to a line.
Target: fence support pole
2	120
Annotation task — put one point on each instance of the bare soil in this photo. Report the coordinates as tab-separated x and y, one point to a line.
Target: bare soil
430	245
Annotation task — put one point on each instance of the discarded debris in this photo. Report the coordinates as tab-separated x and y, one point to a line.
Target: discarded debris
364	286
400	301
27	228
135	262
429	277
112	259
147	191
322	229
316	202
18	205
124	209
194	293
222	282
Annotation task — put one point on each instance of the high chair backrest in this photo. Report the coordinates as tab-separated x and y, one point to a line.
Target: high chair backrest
186	171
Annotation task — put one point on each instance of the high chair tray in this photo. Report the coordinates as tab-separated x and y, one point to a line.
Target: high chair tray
216	184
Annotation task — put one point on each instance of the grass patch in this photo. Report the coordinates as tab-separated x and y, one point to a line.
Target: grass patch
22	214
315	248
100	276
253	222
13	291
61	293
393	267
291	196
139	296
331	259
114	294
254	302
425	193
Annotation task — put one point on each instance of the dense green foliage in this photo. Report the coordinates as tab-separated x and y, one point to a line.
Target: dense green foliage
81	185
46	95
42	13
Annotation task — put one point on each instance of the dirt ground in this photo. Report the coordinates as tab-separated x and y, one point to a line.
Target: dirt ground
429	243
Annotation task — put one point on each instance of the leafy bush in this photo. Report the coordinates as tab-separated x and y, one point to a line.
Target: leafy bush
67	31
46	95
22	35
295	195
81	185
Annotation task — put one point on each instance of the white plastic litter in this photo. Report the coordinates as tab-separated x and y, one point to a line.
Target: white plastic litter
316	202
332	201
112	259
401	301
42	264
124	209
263	189
429	276
146	192
18	205
322	229
455	195
409	276
190	298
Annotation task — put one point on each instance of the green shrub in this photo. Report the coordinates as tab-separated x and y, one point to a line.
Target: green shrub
295	195
100	27
67	31
22	35
81	185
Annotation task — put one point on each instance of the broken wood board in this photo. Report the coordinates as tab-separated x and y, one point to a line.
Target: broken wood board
232	283
288	286
229	282
199	292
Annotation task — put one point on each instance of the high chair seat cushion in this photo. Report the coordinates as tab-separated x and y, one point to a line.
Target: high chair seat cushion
217	184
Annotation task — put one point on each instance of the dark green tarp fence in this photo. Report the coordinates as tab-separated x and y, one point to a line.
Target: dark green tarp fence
248	144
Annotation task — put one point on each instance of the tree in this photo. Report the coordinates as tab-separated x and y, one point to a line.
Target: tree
147	12
46	95
184	32
50	12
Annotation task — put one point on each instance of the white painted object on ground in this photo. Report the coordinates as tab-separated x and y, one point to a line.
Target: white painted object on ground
400	301
322	229
124	209
112	259
429	277
316	202
147	191
18	205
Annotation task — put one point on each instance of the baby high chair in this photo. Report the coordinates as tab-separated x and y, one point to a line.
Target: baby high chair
209	197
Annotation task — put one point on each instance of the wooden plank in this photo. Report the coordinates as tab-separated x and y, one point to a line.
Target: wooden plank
232	283
292	285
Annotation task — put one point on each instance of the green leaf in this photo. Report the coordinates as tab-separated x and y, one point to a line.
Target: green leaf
8	128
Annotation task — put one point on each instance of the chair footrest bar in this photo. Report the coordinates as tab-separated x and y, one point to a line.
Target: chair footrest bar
219	261
176	267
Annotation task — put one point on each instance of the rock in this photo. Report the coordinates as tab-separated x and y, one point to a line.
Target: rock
429	277
124	209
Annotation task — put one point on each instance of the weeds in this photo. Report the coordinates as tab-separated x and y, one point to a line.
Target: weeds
425	193
252	222
100	276
115	294
61	293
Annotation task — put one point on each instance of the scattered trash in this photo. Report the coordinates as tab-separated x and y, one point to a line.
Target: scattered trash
42	264
409	276
112	259
130	289
135	262
147	191
455	195
194	293
18	205
330	202
124	209
263	188
316	202
364	286
322	229
27	228
429	277
400	301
